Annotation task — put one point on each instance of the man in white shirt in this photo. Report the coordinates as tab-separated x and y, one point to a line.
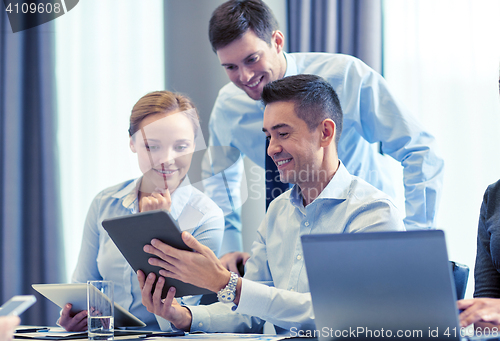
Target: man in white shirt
303	123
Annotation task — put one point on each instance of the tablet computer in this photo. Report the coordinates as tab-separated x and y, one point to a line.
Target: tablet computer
17	305
130	233
76	294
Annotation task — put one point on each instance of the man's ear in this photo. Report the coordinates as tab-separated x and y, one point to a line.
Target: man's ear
132	146
327	132
278	41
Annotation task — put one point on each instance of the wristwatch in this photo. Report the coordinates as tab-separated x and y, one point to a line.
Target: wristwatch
228	293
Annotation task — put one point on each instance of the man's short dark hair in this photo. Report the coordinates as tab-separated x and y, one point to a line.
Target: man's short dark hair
234	18
314	98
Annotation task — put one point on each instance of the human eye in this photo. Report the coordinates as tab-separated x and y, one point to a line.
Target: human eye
252	59
152	148
283	135
230	67
181	147
268	137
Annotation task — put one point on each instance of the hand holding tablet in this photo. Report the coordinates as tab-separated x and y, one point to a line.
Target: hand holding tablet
130	234
76	294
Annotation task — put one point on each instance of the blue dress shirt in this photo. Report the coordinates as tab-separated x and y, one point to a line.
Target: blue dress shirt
100	258
371	115
275	286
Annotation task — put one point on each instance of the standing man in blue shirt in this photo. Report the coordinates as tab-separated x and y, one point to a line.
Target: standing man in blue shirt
245	36
303	123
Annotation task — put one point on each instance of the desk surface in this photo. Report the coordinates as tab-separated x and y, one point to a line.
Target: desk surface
226	336
59	332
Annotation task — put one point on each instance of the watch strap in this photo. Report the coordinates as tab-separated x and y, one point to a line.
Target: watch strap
229	290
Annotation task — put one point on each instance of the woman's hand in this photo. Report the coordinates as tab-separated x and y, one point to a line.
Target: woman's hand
159	199
479	310
73	322
8	327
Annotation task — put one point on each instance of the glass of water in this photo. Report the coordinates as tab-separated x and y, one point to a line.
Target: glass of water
100	306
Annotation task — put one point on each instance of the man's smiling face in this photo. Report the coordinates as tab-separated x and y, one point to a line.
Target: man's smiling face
251	63
294	148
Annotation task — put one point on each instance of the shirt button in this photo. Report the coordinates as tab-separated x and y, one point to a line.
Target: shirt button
306	223
200	324
299	257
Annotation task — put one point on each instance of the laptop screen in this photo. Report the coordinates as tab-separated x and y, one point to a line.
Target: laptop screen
381	285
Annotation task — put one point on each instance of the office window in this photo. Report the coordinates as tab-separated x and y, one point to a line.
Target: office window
108	55
441	59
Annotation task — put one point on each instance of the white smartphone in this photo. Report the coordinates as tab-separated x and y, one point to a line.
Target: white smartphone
17	305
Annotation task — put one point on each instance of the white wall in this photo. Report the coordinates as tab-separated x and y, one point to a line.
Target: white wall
442	60
107	57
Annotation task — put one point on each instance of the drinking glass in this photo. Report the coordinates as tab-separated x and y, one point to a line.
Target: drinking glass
100	306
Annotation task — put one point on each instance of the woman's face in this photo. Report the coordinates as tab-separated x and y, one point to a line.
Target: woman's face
164	145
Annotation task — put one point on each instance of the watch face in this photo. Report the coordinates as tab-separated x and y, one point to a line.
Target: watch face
226	296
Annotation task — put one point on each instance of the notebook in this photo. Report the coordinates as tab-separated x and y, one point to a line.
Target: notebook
381	285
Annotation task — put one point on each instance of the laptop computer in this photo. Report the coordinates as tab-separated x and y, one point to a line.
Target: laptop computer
381	285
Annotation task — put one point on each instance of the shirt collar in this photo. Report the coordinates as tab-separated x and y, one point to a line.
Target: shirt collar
129	193
180	197
291	65
337	188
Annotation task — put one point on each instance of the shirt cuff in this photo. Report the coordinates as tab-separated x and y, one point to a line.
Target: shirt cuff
255	298
200	319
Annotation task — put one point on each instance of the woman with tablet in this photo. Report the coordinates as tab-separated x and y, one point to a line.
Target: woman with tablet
163	133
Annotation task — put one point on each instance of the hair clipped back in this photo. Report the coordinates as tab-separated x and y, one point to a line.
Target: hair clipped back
234	18
314	98
162	102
